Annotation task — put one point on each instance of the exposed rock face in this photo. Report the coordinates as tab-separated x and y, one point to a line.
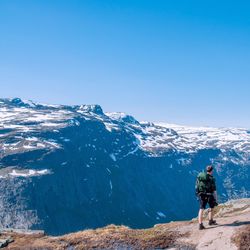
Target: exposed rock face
66	168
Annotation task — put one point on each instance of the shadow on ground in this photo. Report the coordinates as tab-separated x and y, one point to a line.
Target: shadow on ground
233	224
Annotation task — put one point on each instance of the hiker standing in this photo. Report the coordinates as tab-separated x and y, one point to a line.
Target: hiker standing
206	191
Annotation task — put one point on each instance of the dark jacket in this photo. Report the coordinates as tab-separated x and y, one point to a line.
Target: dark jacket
211	185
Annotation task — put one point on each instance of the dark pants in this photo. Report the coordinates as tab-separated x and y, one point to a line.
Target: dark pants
204	199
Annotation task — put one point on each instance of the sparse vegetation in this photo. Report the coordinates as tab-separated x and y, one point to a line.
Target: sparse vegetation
242	238
113	236
110	237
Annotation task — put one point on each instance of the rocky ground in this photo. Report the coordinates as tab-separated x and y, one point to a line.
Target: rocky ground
232	232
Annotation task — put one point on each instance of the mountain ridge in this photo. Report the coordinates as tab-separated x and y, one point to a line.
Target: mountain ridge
158	135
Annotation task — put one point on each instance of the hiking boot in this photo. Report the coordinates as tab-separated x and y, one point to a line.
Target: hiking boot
212	222
201	226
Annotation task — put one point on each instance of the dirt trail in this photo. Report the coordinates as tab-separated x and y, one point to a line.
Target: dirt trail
231	219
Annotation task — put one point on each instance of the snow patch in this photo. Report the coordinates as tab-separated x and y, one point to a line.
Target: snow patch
161	214
28	172
112	156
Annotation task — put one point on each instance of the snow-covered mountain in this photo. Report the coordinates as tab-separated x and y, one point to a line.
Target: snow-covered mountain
65	168
26	117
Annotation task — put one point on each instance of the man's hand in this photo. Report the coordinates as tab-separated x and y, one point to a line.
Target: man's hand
215	198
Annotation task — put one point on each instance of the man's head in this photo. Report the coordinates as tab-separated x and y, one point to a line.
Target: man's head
209	169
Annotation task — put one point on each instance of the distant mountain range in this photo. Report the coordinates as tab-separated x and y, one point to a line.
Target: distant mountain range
66	168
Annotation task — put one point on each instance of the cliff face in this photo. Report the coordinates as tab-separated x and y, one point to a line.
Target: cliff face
232	232
68	168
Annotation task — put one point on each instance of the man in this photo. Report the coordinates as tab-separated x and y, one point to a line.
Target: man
206	191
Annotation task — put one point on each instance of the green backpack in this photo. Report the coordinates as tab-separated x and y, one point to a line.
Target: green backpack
202	183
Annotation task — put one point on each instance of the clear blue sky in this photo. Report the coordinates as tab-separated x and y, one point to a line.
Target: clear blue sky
185	62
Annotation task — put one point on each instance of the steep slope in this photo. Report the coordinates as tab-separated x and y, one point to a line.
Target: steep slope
66	168
232	232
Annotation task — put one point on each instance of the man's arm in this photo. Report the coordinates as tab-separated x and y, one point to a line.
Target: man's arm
215	196
215	192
